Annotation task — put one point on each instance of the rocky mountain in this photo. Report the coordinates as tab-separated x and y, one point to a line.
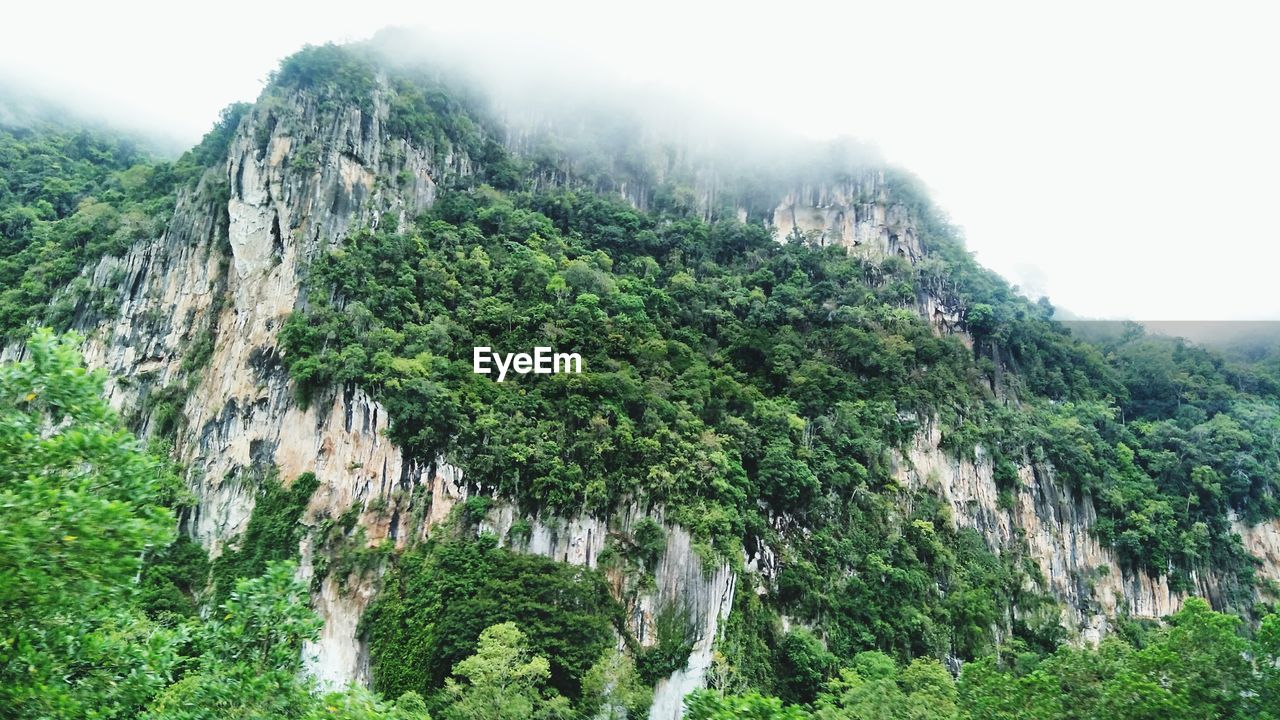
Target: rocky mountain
188	324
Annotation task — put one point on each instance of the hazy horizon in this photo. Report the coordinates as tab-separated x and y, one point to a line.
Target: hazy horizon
1114	159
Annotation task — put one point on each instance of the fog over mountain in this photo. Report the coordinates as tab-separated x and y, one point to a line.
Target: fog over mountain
1117	159
587	362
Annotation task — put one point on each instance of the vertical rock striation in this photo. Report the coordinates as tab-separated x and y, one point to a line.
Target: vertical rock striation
1053	527
857	215
195	323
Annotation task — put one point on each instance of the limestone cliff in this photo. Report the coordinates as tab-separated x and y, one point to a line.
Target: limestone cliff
857	215
227	273
194	323
1053	526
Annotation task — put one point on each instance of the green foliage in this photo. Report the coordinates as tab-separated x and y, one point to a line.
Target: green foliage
251	655
360	704
80	504
1197	667
695	394
212	149
340	549
804	666
250	663
650	541
164	407
613	690
501	681
754	389
263	622
335	74
915	586
1167	437
744	653
200	352
69	196
1267	659
721	368
273	532
671	651
172	581
425	108
90	629
426	114
874	687
438	598
706	705
475	508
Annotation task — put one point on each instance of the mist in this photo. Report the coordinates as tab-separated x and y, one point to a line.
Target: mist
1117	159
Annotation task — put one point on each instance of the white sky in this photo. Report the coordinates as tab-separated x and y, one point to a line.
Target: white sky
1121	157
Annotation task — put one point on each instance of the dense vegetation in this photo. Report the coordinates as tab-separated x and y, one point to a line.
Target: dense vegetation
715	353
272	534
1197	667
69	196
79	504
738	381
432	609
97	596
779	373
753	389
82	504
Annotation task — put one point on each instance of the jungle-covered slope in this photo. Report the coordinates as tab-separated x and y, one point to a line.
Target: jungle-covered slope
754	386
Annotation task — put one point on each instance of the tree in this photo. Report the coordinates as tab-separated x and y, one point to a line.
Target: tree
80	504
707	705
501	681
804	666
264	622
868	690
441	596
360	704
931	693
1200	660
1266	652
251	662
611	689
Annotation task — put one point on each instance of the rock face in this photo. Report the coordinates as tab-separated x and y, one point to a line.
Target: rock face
682	583
856	215
294	191
1053	527
1263	542
225	275
197	312
229	272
